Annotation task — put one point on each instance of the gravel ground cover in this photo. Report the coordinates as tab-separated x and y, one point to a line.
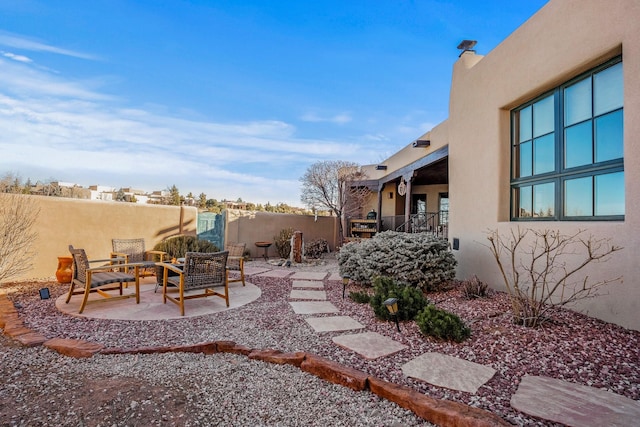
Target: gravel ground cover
189	389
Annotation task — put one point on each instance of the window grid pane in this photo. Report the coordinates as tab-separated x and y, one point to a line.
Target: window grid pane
608	91
578	196
543	200
610	194
578	145
609	136
577	102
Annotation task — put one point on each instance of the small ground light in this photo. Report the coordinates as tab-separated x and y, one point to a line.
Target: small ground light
392	306
345	282
44	293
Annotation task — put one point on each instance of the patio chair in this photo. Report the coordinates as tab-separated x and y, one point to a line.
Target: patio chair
100	279
200	272
133	251
236	260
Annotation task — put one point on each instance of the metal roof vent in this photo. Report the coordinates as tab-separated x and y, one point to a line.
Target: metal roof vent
466	45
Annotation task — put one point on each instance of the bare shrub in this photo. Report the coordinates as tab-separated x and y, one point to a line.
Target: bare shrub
539	269
474	288
18	214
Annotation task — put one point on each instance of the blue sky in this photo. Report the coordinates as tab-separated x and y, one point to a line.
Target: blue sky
227	98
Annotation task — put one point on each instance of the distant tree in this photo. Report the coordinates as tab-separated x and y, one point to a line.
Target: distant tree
27	187
202	201
18	214
332	184
120	196
174	196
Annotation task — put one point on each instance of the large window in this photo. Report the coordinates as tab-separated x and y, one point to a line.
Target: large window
567	150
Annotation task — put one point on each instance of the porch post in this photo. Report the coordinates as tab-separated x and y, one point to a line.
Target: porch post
379	216
407	203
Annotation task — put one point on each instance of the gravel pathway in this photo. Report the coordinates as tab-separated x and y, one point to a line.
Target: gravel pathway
224	389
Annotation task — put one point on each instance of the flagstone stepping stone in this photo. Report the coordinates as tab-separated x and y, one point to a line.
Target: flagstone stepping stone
307	284
448	371
369	345
304	294
574	404
276	273
313	307
333	323
309	275
335	276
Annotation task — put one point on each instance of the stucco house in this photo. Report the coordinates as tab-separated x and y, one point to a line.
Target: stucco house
541	134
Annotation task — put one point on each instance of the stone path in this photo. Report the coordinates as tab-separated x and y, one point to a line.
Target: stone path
546	398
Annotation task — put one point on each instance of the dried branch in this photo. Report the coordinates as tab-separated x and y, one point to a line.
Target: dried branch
18	214
541	276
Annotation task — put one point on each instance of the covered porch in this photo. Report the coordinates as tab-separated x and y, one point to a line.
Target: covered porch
415	198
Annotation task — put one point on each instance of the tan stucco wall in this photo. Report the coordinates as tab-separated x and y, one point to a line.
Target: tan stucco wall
564	39
250	227
92	224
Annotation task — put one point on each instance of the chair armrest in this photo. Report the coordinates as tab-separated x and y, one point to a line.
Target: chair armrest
172	267
161	254
110	260
135	265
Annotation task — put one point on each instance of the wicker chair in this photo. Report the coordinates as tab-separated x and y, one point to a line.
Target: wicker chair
236	260
100	279
200	271
133	251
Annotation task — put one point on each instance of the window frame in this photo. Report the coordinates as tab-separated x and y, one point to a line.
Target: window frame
560	174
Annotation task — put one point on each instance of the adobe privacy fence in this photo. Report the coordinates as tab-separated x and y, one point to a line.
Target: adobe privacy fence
91	224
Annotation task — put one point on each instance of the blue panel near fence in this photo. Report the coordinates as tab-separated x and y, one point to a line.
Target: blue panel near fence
211	228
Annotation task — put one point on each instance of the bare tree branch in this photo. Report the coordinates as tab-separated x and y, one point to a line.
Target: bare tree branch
18	214
541	276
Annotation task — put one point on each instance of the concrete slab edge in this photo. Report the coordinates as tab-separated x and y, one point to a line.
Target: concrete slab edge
437	411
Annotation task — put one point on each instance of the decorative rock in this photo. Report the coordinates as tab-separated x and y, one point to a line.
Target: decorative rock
574	404
73	348
334	372
278	357
32	339
232	347
441	412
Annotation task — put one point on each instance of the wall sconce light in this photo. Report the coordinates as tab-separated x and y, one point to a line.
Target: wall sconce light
421	143
392	306
44	293
381	167
345	282
391	194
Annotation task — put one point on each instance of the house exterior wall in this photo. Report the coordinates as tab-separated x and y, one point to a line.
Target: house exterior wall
92	224
564	39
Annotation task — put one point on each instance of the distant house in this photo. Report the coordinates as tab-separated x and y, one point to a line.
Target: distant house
542	134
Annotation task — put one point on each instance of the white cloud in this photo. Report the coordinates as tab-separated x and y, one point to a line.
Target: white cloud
72	131
19	58
341	118
21	42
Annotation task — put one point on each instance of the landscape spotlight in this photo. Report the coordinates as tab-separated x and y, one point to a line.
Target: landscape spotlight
44	293
392	306
345	282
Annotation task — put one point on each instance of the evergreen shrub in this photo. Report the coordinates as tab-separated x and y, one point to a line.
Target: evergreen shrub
419	259
178	246
360	297
410	300
442	324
